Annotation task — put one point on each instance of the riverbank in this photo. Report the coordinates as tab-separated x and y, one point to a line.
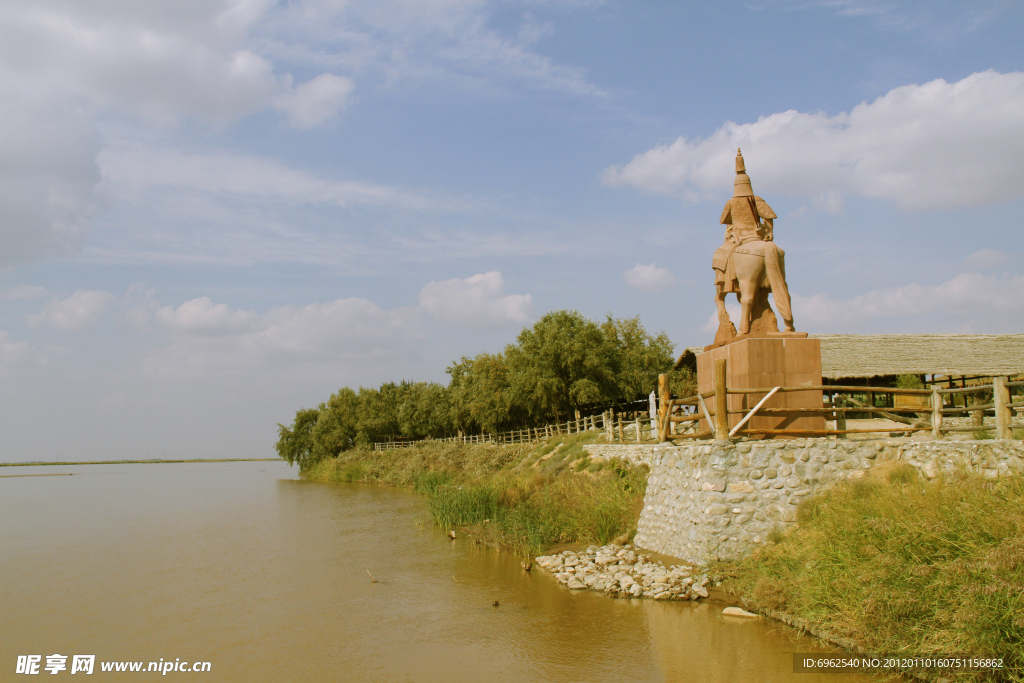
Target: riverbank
898	563
523	497
129	462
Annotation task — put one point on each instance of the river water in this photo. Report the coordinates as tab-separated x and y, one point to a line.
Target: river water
265	576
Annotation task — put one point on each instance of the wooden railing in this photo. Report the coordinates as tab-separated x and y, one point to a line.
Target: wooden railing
928	416
615	428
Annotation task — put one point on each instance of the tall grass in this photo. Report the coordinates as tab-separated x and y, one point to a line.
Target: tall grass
526	509
529	511
903	565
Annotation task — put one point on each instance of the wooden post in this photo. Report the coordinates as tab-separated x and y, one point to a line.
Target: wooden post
1001	398
622	439
839	403
664	397
977	416
721	402
638	434
936	412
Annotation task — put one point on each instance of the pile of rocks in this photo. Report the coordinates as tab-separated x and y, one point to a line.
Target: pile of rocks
619	571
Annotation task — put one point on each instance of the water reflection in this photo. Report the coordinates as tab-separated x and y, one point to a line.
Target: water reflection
266	577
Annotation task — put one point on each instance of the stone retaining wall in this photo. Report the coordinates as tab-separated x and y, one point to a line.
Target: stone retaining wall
636	454
719	500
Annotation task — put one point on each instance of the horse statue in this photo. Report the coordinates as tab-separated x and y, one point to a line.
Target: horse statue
751	265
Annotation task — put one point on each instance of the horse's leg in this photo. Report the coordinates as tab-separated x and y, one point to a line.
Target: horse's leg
723	315
748	290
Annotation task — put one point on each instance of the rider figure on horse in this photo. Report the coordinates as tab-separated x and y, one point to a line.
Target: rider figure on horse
748	220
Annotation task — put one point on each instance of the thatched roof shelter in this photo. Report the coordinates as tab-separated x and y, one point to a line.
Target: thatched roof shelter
872	355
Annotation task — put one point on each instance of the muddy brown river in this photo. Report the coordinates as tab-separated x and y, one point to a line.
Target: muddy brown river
265	577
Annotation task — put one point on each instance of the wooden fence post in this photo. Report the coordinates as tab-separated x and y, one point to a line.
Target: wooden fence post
839	403
977	416
622	439
638	434
664	398
1001	397
936	412
721	402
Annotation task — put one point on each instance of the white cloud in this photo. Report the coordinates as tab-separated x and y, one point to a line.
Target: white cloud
48	174
446	42
932	20
213	338
346	326
316	101
77	312
17	355
969	302
202	316
22	293
135	169
161	62
66	65
227	208
987	259
921	146
649	278
476	301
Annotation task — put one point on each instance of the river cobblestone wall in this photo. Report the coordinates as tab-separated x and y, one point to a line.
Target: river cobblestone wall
635	454
719	500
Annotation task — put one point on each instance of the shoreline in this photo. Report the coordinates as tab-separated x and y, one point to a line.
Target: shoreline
942	548
130	462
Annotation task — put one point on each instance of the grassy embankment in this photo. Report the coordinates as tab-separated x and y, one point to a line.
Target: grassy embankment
525	498
898	564
893	563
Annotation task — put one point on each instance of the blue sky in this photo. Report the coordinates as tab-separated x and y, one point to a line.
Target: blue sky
217	212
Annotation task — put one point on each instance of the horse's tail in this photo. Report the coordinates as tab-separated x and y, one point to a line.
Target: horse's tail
776	266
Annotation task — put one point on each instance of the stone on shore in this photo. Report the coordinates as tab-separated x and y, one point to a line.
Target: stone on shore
619	571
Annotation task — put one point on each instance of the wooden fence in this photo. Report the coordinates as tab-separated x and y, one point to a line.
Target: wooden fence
638	430
928	414
922	410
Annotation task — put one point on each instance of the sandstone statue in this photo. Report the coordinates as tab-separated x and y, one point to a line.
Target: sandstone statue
750	265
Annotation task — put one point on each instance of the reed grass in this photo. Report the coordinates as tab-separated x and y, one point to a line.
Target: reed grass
530	511
564	499
902	565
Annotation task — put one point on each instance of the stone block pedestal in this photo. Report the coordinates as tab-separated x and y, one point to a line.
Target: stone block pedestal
766	363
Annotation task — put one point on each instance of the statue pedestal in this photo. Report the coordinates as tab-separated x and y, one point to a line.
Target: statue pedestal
765	363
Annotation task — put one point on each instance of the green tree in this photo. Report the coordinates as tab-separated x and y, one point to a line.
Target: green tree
640	358
335	430
378	414
296	443
423	410
561	363
481	396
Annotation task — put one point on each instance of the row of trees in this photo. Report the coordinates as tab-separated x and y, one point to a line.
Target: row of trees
562	364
